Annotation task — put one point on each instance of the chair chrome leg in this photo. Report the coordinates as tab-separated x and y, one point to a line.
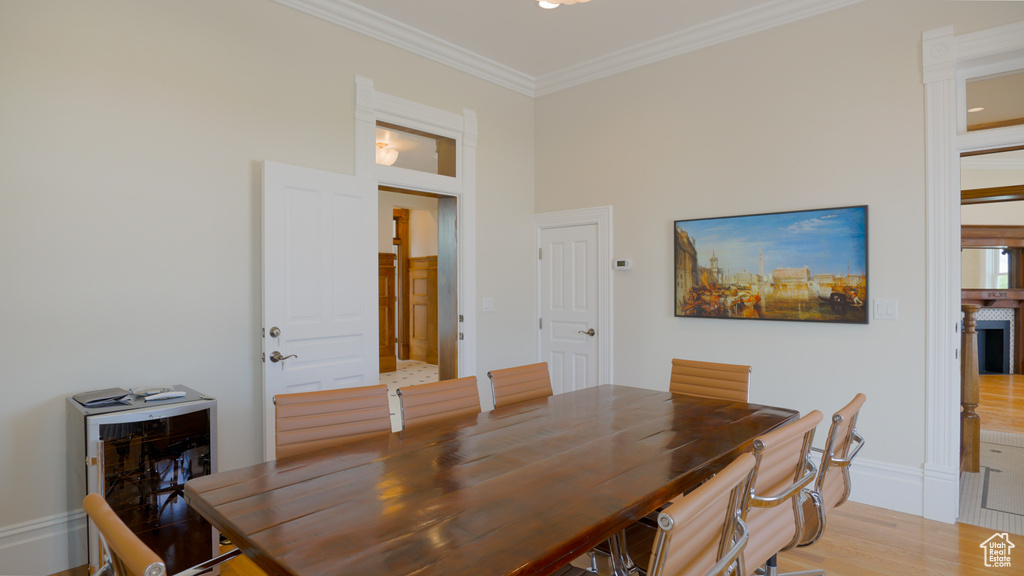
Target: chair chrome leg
621	563
771	568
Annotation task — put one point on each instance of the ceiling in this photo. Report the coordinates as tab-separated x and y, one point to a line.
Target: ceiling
516	44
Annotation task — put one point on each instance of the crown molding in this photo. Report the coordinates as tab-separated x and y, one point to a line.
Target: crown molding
388	30
716	31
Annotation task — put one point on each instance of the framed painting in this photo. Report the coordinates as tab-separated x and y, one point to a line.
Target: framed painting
807	266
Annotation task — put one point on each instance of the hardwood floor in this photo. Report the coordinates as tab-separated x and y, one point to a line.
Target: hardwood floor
1002	402
863	540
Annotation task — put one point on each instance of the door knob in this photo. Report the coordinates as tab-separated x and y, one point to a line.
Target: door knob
276	356
588	332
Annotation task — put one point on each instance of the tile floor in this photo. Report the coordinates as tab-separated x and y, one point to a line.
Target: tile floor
984	499
410	372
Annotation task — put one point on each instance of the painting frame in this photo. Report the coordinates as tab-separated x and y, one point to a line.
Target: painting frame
817	266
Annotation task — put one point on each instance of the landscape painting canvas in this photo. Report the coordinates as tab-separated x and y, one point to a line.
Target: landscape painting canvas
810	265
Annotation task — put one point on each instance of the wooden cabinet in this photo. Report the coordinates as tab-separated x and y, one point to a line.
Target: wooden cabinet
423	309
386	306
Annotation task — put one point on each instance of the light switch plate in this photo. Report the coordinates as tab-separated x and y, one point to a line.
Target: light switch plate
886	309
488	304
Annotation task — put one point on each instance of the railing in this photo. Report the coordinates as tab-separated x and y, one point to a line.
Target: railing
970	422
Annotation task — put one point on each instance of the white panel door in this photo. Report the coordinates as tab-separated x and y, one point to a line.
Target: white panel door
319	284
569	306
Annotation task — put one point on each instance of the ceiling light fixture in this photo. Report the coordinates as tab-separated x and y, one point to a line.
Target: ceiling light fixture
549	4
385	155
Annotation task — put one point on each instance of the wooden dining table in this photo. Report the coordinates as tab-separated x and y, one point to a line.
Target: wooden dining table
519	490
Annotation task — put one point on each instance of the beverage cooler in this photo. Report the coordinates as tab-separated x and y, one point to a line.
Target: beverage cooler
138	454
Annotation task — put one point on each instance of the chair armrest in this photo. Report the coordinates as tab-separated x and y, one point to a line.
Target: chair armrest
844	462
772	501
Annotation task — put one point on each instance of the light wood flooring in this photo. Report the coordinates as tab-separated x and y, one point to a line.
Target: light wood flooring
862	540
1001	406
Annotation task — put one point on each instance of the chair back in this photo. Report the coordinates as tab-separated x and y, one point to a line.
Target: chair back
833	485
426	403
308	421
710	379
784	469
127	554
520	383
702	534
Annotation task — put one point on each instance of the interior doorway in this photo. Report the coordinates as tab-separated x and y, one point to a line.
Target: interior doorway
992	278
456	190
949	61
420	324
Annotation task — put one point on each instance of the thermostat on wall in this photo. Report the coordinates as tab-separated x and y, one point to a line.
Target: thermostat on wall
622	264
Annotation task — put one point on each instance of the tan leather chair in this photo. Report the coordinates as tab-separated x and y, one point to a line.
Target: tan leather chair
125	554
702	534
832	486
520	383
775	514
710	379
427	403
308	421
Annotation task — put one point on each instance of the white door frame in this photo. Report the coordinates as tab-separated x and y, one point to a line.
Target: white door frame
602	217
947	61
372	106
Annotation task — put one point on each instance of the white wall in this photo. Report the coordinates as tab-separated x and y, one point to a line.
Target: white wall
422	222
996	213
131	137
824	112
992	170
974	173
423	233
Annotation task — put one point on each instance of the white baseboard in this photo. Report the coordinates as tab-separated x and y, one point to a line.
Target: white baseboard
40	547
931	493
889	486
941	494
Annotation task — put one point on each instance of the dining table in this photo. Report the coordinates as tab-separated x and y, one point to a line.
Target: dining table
522	489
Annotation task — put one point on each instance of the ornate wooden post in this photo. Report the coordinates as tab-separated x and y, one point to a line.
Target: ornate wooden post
970	422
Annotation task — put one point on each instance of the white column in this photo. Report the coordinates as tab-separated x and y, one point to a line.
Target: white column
942	201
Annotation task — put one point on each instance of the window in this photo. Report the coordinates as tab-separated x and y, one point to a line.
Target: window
415	150
995	101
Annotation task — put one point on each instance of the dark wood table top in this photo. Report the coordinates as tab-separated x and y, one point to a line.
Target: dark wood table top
522	489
